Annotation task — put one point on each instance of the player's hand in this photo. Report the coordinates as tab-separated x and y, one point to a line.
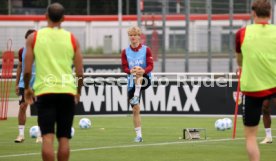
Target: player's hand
77	98
17	90
238	71
140	72
133	70
29	95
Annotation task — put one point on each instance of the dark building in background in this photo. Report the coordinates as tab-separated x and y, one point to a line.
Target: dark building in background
79	7
110	7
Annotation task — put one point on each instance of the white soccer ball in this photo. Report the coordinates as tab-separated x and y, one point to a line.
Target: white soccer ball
34	132
85	123
228	123
220	125
72	132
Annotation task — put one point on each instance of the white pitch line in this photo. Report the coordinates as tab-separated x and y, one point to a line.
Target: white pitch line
18	155
155	144
127	146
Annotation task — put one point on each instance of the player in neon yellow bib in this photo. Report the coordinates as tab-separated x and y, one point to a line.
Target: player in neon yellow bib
256	48
54	51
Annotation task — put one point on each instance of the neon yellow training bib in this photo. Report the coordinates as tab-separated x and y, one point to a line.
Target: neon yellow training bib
259	58
54	55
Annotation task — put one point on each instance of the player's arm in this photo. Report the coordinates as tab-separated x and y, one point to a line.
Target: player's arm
239	59
18	71
238	41
239	62
29	58
124	62
78	68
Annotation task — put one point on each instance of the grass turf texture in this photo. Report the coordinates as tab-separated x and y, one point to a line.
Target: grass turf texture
12	93
111	139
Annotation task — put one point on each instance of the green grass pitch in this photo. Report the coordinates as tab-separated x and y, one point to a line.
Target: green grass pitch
111	139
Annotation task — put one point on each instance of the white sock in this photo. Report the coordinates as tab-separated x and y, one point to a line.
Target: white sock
21	129
137	90
268	132
138	131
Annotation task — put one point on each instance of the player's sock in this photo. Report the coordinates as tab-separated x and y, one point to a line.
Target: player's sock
138	131
137	90
21	129
268	132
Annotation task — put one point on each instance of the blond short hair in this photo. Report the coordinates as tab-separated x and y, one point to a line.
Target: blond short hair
134	30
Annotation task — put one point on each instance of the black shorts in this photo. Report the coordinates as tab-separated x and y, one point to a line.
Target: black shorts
145	84
56	109
252	109
21	96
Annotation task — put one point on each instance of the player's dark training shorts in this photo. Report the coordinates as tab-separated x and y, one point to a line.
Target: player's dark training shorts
145	84
252	109
21	96
56	109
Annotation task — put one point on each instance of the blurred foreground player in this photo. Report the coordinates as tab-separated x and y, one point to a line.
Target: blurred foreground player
256	48
54	51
